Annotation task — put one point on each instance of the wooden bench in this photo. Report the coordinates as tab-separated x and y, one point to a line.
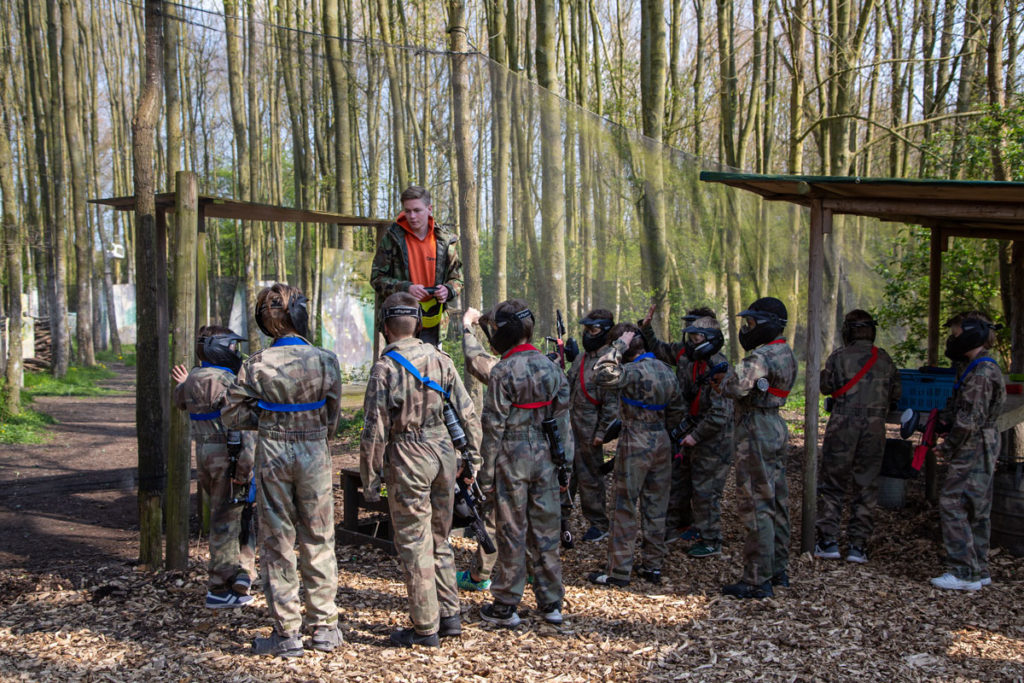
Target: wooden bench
353	531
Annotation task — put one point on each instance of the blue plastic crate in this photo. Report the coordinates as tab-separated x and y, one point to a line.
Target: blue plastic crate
925	390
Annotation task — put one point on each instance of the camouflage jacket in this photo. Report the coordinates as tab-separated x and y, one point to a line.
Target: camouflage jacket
667	352
286	374
712	410
873	393
390	270
203	394
644	380
594	406
398	403
973	408
775	362
520	378
479	363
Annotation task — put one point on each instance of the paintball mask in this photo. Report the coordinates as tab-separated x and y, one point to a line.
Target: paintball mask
506	329
298	314
222	350
852	330
763	321
701	341
974	332
595	332
404	312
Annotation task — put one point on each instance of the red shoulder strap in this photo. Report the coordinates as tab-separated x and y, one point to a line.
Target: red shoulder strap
583	386
860	373
695	403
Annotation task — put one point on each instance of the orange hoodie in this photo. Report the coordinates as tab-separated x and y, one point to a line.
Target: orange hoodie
422	252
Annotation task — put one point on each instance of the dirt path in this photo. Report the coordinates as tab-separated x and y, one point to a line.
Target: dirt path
71	501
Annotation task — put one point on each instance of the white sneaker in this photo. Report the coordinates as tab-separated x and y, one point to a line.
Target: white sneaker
553	617
955	583
985	581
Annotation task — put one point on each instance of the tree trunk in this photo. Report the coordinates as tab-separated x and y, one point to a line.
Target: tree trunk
11	230
500	143
652	90
342	132
398	103
152	411
76	153
59	333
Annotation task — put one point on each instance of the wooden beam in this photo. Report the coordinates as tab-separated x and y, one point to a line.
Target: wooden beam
202	318
951	210
179	455
821	222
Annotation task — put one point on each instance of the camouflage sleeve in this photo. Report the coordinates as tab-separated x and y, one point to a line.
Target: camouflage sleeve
376	428
383	269
240	410
609	370
830	379
463	404
677	409
970	412
561	413
895	384
178	396
333	394
243	470
718	416
479	363
741	379
453	273
497	405
663	351
608	411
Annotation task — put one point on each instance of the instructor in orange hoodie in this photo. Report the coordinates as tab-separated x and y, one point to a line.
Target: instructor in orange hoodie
418	257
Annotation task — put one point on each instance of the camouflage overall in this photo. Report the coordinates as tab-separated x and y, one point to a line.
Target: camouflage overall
525	389
761	436
404	436
680	502
651	400
854	441
291	393
202	395
971	448
711	457
479	364
592	408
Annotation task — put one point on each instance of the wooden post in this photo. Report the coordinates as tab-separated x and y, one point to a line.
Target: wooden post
821	223
179	461
938	245
202	318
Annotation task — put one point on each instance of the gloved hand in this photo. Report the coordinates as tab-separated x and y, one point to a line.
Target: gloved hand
552	356
572	349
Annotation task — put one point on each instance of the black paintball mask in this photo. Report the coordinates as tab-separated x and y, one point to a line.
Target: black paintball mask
404	312
298	314
763	321
592	339
974	333
506	329
222	350
701	341
851	330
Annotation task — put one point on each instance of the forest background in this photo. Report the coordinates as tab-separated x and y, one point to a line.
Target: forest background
562	140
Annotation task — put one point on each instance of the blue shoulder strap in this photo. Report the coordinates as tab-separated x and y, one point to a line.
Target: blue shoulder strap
973	364
640	404
404	362
199	417
290	341
643	356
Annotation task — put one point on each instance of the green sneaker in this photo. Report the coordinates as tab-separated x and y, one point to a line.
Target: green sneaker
466	582
704	549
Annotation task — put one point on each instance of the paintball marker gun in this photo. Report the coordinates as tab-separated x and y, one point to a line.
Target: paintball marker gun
468	496
557	340
550	427
928	424
241	494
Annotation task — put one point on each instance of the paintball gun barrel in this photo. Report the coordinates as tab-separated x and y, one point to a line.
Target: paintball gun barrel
468	496
550	427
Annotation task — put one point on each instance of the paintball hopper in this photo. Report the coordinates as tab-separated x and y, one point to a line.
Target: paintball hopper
912	421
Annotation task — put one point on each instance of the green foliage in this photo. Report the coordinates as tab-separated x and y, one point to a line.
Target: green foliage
970	281
78	382
127	357
999	126
350	425
26	427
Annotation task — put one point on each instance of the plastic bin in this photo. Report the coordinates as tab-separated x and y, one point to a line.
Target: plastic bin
925	390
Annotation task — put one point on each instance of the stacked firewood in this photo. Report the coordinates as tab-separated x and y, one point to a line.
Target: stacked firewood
43	356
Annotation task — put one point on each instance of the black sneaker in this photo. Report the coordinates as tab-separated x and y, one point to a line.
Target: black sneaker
450	626
500	614
407	637
742	589
602	579
649	575
278	645
781	579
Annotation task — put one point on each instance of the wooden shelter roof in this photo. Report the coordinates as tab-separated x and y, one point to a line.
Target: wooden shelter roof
958	208
219	207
